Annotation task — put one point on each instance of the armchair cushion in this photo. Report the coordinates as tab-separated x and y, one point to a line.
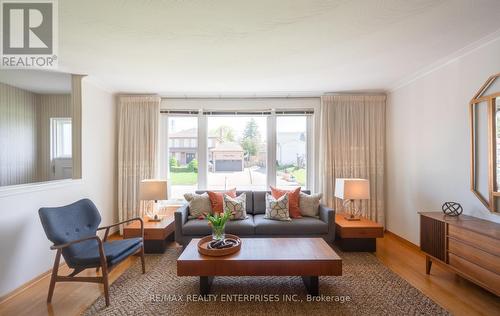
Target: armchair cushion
115	251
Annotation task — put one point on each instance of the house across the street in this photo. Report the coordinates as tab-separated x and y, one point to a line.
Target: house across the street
227	157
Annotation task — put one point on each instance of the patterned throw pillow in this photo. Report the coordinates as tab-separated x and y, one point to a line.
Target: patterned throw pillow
199	204
277	208
217	200
237	206
293	200
309	204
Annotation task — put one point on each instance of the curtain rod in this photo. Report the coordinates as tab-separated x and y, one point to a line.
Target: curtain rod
238	98
356	93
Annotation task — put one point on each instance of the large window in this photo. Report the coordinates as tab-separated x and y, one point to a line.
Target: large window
237	152
248	151
291	151
182	158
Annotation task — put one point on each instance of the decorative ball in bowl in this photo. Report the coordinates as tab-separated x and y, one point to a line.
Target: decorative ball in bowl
212	247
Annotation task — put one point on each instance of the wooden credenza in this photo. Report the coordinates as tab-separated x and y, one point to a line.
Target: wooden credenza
468	245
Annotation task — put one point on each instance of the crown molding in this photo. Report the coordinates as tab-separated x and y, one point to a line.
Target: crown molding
443	62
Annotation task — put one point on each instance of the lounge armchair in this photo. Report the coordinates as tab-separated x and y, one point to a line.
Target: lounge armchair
73	230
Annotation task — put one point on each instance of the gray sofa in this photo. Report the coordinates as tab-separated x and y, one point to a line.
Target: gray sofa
256	225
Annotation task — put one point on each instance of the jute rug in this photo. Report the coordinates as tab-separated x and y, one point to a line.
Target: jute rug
366	287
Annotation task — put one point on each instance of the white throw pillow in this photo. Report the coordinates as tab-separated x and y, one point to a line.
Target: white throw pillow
237	206
277	209
199	205
309	204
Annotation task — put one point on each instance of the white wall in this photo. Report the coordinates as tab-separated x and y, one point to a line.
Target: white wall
428	140
24	249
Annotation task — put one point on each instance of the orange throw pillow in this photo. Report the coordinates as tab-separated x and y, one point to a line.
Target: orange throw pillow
293	200
217	199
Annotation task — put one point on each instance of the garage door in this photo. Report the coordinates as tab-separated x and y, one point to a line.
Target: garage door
228	165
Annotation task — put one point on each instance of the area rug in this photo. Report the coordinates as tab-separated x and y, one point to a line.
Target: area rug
366	287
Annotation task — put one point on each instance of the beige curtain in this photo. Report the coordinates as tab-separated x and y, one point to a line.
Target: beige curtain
138	130
352	145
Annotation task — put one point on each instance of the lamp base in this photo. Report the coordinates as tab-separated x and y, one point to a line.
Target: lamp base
154	219
352	218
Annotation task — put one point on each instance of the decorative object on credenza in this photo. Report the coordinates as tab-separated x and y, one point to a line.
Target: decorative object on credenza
349	190
452	208
153	190
216	248
218	223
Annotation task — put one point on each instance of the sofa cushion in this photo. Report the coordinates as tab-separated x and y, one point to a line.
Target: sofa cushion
249	196
236	206
199	205
293	200
298	226
196	227
217	199
277	209
259	201
309	204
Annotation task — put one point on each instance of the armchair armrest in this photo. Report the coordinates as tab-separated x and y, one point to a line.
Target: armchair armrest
120	223
327	215
180	217
58	247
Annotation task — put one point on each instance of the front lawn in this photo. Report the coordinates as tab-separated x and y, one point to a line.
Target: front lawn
300	175
183	178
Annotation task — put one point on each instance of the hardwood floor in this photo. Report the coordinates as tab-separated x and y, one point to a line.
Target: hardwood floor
458	295
454	293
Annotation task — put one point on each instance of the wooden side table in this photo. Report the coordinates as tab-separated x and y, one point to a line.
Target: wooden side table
357	235
156	234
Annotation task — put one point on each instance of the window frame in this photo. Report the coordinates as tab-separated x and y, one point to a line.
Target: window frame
312	130
55	123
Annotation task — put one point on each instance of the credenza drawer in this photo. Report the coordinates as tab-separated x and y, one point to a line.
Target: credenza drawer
474	239
480	257
489	279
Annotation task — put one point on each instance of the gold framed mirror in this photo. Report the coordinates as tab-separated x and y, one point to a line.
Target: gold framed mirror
484	113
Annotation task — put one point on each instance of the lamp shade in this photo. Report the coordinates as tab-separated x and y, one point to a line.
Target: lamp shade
153	189
352	189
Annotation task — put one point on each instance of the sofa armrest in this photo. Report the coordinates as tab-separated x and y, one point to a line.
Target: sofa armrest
180	218
327	215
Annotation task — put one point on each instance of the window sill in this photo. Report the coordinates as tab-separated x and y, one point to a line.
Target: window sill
39	186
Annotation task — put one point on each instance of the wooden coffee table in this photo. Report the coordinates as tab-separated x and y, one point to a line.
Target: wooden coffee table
305	257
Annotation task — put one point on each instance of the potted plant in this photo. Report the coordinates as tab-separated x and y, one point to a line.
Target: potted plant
218	223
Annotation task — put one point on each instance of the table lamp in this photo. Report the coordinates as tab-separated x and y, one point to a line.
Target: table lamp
349	190
153	190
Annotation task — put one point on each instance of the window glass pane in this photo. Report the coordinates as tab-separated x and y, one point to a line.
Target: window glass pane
291	151
237	152
182	159
61	138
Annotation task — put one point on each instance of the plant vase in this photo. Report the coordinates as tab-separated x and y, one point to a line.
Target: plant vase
218	232
218	224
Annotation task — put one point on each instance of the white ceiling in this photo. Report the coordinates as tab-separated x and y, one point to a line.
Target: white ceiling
239	47
43	82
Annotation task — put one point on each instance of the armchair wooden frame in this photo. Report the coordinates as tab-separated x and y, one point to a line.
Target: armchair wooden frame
103	262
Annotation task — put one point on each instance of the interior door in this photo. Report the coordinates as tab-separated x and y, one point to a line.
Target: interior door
62	168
